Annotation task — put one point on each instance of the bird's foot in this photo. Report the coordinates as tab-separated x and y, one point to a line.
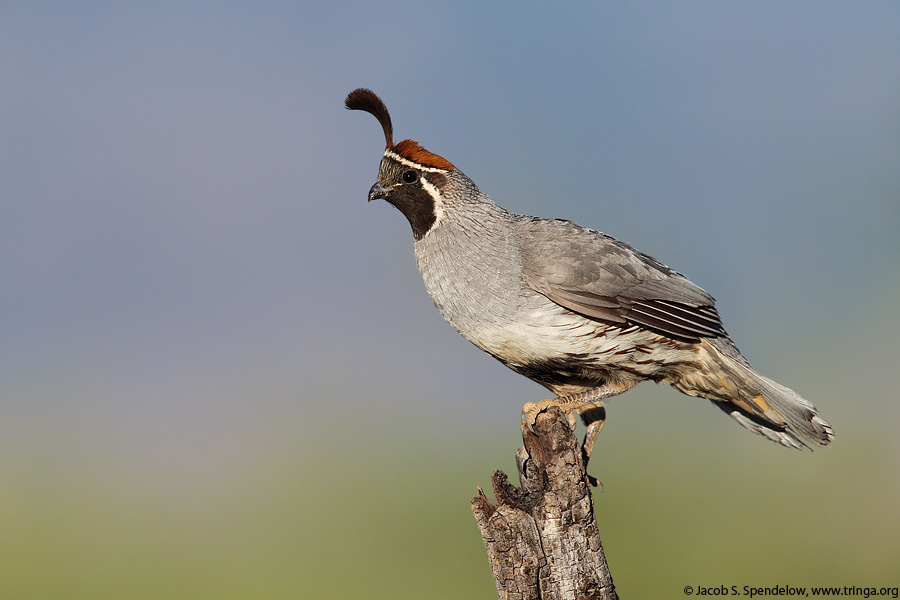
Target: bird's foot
589	405
571	403
532	409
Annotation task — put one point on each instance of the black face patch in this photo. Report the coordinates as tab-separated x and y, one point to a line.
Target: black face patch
407	192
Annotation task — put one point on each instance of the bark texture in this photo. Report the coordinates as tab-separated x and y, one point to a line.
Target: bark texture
541	538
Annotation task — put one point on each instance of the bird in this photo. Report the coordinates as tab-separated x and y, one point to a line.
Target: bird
573	309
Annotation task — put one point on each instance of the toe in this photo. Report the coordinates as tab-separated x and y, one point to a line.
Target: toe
529	414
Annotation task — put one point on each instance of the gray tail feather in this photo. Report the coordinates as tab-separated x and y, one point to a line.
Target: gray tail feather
791	420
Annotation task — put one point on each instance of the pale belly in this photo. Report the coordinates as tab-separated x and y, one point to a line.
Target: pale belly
567	352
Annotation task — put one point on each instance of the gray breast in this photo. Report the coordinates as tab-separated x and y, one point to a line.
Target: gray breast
470	266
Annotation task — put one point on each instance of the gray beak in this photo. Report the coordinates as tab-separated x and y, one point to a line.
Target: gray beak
378	191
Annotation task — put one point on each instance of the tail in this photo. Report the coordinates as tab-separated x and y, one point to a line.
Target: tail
763	406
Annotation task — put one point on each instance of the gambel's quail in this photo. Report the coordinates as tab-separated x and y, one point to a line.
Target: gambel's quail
573	309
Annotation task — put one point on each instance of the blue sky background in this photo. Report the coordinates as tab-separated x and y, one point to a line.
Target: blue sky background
193	287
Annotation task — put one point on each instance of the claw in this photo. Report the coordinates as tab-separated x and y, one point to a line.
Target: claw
529	415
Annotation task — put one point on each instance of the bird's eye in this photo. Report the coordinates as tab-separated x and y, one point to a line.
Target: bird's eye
410	176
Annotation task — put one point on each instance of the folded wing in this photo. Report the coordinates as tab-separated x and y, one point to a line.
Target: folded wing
600	277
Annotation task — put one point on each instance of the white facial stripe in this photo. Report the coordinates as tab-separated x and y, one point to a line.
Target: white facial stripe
409	163
438	202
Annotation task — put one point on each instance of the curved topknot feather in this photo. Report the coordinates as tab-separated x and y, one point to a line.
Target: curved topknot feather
367	100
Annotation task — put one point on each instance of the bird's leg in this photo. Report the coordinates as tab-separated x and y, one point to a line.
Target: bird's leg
588	404
593	418
579	401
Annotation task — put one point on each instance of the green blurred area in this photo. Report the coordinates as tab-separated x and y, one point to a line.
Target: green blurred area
382	511
314	522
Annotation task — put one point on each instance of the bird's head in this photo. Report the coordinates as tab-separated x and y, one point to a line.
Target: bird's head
410	177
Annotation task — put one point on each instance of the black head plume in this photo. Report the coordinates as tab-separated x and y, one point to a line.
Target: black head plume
364	99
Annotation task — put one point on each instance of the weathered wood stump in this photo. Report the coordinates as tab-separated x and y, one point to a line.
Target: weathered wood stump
541	538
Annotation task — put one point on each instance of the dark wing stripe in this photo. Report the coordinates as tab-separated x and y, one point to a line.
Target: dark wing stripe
703	316
681	321
673	319
678	322
664	328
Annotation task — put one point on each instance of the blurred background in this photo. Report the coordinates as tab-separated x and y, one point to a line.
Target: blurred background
221	377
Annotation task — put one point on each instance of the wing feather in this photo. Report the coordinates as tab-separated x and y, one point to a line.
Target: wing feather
600	277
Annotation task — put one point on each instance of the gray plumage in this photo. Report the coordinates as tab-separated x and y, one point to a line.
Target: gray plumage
575	310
